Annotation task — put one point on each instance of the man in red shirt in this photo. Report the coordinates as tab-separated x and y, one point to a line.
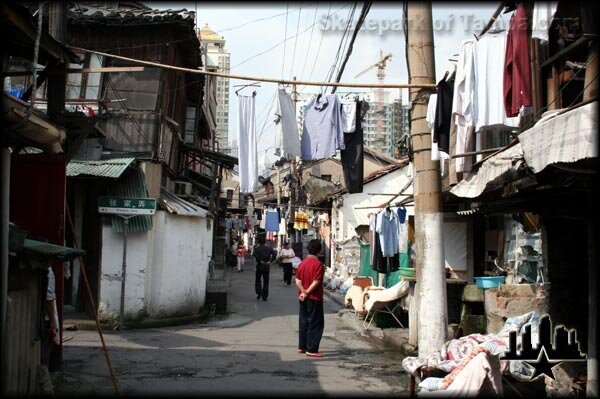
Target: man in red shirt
309	280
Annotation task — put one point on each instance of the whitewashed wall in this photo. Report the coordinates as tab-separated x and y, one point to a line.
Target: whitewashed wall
349	217
177	280
110	273
166	268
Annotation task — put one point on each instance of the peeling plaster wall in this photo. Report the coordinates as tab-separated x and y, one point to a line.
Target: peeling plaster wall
182	245
110	273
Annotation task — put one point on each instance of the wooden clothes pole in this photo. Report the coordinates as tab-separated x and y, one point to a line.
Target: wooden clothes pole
259	79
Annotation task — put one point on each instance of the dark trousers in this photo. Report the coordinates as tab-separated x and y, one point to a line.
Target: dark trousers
312	323
287	273
262	272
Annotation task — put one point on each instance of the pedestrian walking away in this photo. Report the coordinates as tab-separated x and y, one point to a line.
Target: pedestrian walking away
241	256
309	280
264	255
286	255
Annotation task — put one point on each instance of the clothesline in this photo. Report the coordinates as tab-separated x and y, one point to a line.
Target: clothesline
261	79
295	206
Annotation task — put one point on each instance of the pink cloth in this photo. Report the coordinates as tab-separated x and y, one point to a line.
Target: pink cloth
517	74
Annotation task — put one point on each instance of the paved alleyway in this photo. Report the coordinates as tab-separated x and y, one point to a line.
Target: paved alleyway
251	350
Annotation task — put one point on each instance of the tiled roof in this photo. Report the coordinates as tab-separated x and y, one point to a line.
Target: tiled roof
128	13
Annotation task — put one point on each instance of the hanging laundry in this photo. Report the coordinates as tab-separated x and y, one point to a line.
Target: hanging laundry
436	154
247	155
272	220
322	132
542	16
517	76
401	214
352	156
300	220
348	115
488	95
443	114
380	263
462	105
287	139
387	227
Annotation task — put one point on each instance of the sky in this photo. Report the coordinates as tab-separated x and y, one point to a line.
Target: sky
254	32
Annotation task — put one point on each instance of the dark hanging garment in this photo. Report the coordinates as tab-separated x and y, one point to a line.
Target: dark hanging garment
443	115
353	156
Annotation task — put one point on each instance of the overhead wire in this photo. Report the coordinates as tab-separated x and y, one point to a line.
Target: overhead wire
359	22
309	42
333	67
296	41
318	48
284	44
283	41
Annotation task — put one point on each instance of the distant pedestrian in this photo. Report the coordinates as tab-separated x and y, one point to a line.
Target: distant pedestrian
264	255
309	280
241	256
286	255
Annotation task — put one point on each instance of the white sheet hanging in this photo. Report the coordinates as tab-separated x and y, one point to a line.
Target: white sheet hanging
287	137
247	156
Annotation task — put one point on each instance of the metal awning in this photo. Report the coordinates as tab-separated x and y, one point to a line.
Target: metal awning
564	136
44	250
495	168
106	168
179	206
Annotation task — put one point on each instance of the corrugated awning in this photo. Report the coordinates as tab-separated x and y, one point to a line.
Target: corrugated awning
492	170
562	137
174	204
106	168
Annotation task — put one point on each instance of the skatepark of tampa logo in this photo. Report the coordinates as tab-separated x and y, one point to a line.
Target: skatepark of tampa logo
552	348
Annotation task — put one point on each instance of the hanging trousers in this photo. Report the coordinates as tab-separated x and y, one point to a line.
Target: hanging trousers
287	273
311	325
262	273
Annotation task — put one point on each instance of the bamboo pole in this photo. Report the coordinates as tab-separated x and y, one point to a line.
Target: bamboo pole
260	79
87	286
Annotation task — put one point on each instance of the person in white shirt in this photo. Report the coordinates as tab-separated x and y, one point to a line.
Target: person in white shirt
286	254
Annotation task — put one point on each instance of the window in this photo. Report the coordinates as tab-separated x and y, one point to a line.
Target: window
326	177
190	125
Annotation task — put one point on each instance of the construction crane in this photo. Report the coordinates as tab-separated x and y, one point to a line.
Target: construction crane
381	65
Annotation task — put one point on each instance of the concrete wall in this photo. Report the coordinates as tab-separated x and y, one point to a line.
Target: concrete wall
177	281
166	268
110	273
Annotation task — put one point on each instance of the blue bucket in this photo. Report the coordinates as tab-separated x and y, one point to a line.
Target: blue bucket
489	282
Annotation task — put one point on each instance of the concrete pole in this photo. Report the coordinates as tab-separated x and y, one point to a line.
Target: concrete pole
4	232
430	273
278	199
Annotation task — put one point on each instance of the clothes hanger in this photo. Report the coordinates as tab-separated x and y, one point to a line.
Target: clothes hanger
255	84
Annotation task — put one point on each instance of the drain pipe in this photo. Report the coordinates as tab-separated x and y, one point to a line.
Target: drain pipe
4	231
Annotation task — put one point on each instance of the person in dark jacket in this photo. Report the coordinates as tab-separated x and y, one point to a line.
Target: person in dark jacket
264	255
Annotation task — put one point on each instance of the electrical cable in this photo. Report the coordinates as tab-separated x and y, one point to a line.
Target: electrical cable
359	22
318	49
296	41
281	42
284	44
332	69
309	42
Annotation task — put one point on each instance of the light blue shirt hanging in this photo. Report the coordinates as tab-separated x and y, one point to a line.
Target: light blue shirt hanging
322	133
387	227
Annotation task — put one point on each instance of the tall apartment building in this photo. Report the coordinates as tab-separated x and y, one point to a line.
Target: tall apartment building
217	57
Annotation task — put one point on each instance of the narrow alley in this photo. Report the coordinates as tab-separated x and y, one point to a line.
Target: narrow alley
251	350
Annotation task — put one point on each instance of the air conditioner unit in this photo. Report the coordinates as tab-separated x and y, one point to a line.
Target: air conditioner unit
182	188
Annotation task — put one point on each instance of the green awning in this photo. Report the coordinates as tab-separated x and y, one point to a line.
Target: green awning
105	168
44	250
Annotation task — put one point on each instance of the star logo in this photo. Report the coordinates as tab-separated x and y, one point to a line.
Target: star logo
542	365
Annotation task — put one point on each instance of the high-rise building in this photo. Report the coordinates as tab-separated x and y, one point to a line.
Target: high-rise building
218	57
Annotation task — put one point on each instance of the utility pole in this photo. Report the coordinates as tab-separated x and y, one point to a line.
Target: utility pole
430	271
291	210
